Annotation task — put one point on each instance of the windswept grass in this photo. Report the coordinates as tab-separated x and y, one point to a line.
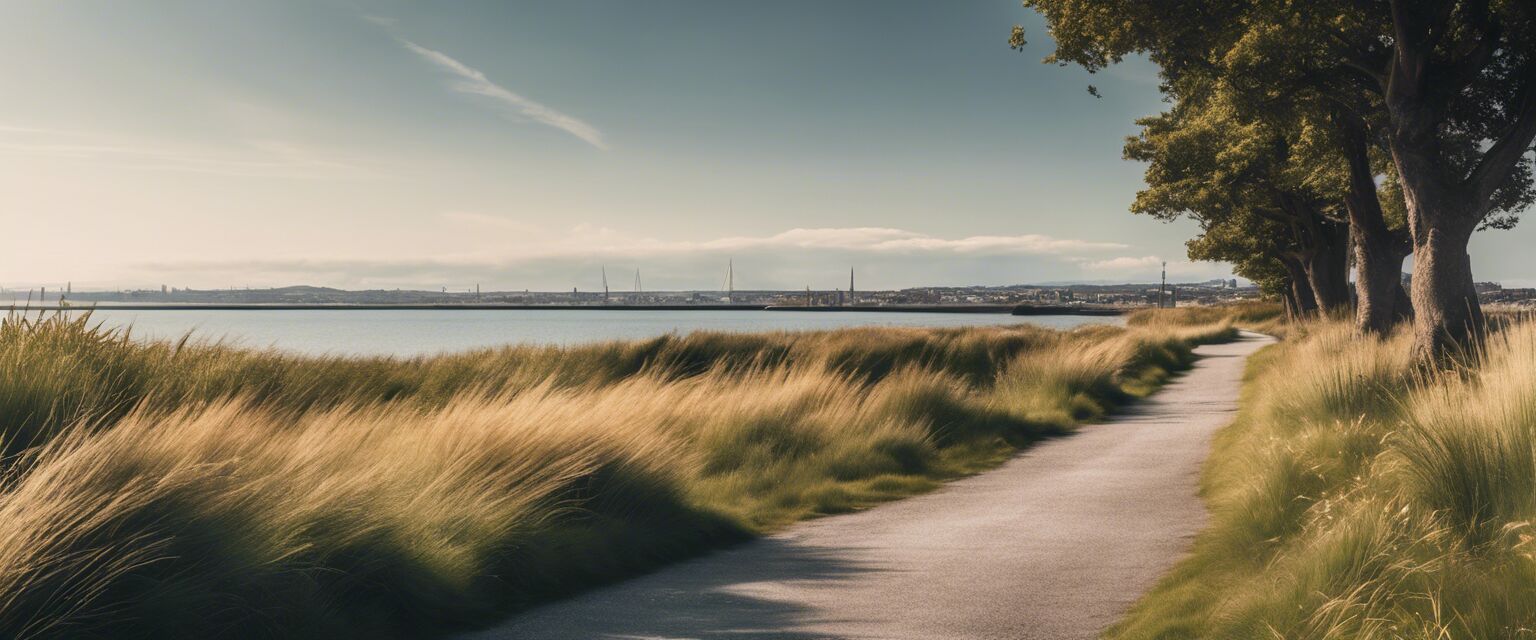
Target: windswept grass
1264	317
1359	496
194	490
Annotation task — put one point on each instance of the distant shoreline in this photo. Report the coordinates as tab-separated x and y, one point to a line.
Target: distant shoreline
1018	310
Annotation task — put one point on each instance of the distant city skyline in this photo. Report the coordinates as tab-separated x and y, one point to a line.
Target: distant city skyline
387	143
54	292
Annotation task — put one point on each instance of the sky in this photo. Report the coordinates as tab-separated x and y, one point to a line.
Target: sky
531	144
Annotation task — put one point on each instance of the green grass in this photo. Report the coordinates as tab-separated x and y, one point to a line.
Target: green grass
194	490
1361	496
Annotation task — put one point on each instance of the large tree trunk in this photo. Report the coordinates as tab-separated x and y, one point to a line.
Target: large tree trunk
1302	302
1379	251
1447	314
1382	302
1327	268
1288	298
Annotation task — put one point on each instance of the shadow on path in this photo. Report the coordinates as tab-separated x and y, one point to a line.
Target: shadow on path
716	596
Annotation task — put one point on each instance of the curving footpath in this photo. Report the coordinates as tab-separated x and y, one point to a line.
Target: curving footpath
1057	543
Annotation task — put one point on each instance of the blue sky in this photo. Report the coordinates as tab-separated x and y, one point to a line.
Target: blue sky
525	144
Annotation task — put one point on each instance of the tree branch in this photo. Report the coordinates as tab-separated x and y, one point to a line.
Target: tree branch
1466	68
1515	142
1361	62
1414	41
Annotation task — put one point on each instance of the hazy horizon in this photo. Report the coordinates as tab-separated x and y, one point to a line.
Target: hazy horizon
389	144
616	290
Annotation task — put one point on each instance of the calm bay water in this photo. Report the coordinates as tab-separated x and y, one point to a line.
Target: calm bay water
409	332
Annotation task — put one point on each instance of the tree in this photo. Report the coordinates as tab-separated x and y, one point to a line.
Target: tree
1459	85
1261	251
1453	83
1226	173
1381	241
1336	154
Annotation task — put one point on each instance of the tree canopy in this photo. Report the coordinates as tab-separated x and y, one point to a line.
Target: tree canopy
1434	99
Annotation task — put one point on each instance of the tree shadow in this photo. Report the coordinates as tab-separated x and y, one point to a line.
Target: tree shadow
720	595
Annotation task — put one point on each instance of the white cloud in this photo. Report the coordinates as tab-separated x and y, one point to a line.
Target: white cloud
526	256
1124	263
601	240
879	239
1144	265
472	81
589	240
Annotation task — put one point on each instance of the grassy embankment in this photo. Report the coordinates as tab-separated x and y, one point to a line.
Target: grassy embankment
194	490
1359	496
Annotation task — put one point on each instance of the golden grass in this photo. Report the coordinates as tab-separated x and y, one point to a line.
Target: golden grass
193	490
1360	496
1264	317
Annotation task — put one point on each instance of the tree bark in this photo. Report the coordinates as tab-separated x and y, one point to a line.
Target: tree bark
1327	268
1381	300
1441	217
1379	251
1322	249
1448	317
1303	303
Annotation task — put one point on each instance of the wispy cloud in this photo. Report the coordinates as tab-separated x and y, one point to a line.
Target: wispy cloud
886	240
522	256
472	81
248	158
1147	266
1124	263
588	240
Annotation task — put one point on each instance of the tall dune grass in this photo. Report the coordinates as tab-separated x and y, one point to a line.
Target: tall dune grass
1360	496
194	490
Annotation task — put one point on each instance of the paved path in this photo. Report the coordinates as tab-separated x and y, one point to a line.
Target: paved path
1057	543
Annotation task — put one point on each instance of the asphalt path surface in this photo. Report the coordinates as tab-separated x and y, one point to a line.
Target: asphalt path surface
1057	543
